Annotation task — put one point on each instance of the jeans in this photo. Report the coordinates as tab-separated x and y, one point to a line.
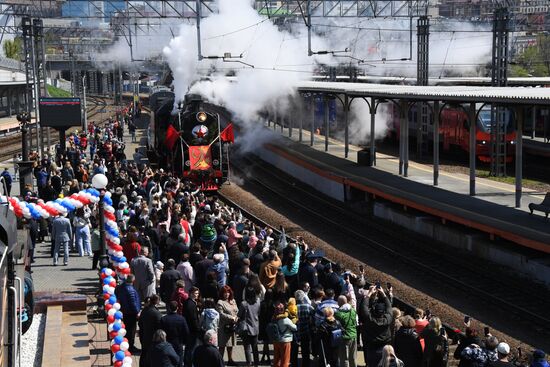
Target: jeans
82	239
281	354
348	353
130	320
250	343
58	245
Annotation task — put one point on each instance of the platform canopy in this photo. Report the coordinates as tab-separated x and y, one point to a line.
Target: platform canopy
462	94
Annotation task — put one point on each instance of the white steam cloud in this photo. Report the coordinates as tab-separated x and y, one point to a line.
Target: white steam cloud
280	60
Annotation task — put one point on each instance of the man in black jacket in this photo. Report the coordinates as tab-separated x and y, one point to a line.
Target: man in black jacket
149	322
191	314
376	316
175	326
207	355
168	281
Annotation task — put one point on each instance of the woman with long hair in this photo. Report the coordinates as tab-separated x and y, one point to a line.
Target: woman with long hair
228	310
249	328
389	359
281	289
254	283
436	346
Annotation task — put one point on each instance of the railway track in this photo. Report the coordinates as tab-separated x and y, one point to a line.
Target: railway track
473	277
12	143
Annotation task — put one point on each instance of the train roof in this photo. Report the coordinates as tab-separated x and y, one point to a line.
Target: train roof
461	94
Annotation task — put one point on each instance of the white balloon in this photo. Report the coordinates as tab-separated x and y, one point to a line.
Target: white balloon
127	364
111	290
116	306
111	312
127	359
109	272
124	346
124	265
110	327
105	287
119	253
122	332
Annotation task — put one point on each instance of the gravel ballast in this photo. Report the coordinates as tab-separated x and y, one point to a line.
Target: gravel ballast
32	343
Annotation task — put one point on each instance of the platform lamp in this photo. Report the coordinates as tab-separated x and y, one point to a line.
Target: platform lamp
99	182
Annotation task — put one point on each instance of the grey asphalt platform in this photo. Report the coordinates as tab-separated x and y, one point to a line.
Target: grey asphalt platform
493	205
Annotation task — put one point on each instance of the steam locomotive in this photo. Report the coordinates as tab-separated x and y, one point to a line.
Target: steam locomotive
191	141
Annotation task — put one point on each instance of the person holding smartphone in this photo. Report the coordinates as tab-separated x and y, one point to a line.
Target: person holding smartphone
436	345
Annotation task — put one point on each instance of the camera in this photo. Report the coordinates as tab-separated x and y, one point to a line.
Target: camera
377	284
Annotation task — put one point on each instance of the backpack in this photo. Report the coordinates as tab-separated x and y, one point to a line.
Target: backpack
273	332
336	336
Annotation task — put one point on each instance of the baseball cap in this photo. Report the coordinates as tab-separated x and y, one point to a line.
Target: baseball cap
503	348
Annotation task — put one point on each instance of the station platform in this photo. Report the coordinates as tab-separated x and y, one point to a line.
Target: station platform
491	210
536	146
8	125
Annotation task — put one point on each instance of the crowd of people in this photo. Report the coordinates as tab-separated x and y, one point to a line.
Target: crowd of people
206	280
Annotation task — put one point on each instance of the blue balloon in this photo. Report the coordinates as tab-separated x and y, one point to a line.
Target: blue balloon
93	192
106	280
119	355
108	201
116	326
113	299
118	339
118	315
122	259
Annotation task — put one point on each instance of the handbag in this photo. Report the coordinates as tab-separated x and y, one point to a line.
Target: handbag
230	328
241	329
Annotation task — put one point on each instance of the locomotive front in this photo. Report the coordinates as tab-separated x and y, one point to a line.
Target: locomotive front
202	151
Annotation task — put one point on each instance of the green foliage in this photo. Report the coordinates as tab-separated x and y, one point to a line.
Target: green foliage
13	48
535	60
56	92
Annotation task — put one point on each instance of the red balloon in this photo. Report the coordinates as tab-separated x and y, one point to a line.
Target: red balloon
122	326
112	283
110	319
126	271
103	276
106	296
125	340
108	307
115	348
127	354
118	364
112	334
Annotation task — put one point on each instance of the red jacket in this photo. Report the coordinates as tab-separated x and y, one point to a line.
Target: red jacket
131	250
180	296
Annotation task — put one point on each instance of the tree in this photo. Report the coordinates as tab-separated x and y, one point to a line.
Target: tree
12	49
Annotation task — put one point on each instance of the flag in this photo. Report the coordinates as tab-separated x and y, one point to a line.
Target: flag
200	157
282	240
227	134
172	136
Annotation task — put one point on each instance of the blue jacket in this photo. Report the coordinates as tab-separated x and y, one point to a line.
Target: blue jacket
128	298
7	177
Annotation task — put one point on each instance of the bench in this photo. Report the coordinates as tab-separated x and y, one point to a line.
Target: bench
542	207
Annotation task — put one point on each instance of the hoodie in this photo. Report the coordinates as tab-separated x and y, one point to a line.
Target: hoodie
210	319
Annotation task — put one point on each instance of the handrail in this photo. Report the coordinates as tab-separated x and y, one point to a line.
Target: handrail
5	185
20	318
16	334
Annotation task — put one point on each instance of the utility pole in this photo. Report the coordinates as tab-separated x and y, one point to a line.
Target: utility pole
85	114
499	78
422	63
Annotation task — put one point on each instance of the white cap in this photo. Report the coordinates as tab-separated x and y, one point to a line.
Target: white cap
503	348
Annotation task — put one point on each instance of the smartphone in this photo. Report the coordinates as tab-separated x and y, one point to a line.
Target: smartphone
377	284
466	320
486	331
389	285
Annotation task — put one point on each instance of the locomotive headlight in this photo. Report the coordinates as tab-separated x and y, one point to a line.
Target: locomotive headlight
216	162
201	116
512	142
188	163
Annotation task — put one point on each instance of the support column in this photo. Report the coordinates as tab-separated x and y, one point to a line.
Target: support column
62	140
472	146
290	125
312	138
275	118
9	102
436	142
519	154
372	122
346	126
534	122
402	117
301	107
326	116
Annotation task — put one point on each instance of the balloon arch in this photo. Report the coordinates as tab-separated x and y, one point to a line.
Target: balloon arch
117	330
